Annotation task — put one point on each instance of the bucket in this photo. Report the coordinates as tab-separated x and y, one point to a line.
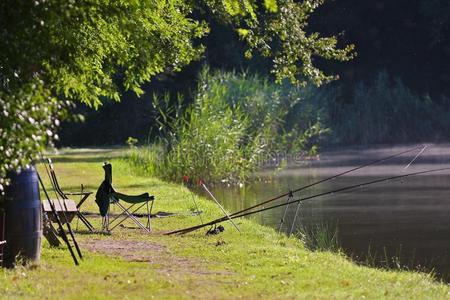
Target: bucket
23	222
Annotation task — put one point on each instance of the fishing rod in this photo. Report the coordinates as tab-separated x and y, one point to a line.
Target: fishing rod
188	185
220	206
288	200
58	221
291	192
186	230
297	209
327	179
63	207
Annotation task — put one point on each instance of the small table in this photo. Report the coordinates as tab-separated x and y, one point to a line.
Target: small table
65	208
83	197
74	209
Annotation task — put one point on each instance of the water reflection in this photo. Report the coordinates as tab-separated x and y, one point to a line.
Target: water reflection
407	219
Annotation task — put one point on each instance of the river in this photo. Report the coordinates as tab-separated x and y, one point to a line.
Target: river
399	222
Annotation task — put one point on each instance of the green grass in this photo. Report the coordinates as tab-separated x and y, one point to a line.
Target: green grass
256	263
321	237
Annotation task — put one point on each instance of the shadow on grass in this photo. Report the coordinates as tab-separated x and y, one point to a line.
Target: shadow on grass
145	185
87	232
82	159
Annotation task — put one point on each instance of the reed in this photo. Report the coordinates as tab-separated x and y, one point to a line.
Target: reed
319	237
398	260
385	110
229	130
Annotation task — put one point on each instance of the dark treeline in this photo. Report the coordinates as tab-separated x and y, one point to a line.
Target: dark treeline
402	44
410	39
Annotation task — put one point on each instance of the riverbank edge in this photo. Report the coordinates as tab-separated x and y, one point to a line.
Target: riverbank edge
254	263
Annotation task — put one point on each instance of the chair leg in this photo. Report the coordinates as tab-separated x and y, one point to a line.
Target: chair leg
105	222
85	221
133	218
124	211
148	218
149	212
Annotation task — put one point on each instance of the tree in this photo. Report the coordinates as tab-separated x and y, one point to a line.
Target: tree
55	52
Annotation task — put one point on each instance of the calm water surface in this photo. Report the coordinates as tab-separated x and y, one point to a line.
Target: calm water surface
408	219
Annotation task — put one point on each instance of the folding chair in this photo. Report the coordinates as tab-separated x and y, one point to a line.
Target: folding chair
50	233
106	195
64	195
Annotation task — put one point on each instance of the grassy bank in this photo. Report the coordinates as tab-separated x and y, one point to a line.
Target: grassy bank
255	263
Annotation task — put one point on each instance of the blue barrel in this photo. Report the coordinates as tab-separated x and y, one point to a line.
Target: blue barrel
23	223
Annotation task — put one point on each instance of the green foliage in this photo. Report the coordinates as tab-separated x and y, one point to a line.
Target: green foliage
147	160
131	142
28	119
91	50
398	261
283	117
234	124
271	5
54	51
283	37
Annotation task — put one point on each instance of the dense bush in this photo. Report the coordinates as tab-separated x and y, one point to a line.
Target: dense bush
238	123
55	53
235	124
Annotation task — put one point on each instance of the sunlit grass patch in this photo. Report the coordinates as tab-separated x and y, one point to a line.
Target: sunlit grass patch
256	263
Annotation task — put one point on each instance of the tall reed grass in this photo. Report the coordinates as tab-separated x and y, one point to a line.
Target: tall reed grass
238	122
320	237
384	110
324	237
233	124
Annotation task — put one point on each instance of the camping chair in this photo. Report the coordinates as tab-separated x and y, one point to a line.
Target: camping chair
64	195
106	195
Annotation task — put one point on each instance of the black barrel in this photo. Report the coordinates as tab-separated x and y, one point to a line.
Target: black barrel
23	228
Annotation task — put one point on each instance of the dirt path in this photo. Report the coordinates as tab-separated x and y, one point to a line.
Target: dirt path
167	264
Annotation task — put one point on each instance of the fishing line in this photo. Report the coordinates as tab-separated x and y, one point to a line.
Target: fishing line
297	209
220	206
186	230
327	179
415	157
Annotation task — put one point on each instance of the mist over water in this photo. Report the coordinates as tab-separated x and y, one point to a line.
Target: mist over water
399	222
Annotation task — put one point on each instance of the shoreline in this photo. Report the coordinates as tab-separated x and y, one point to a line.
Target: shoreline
258	262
